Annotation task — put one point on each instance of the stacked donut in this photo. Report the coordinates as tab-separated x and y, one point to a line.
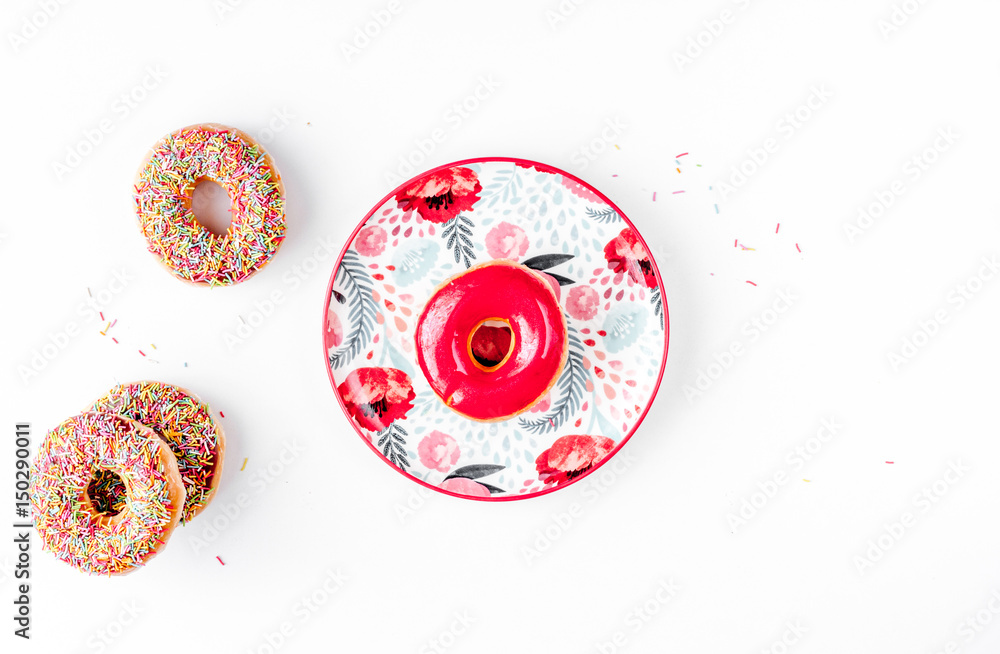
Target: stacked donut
110	485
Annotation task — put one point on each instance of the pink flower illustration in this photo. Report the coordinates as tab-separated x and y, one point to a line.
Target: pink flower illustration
334	330
576	188
464	486
371	240
506	241
582	302
542	404
438	451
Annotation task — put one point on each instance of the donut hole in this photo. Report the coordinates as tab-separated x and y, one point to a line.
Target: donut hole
212	206
107	493
491	343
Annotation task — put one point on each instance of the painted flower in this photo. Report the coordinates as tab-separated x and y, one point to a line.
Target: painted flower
334	330
543	404
623	325
463	486
376	397
438	451
442	195
542	168
625	253
582	302
413	259
506	241
370	241
576	188
571	456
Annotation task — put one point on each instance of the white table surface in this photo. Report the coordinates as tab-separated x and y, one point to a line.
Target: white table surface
649	560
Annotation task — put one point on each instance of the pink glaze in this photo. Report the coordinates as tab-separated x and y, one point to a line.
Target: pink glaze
497	290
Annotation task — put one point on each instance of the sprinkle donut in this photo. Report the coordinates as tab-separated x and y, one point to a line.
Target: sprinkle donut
492	340
163	193
70	522
185	423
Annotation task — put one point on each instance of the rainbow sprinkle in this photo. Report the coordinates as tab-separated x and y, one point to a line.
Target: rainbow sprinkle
163	195
76	526
185	423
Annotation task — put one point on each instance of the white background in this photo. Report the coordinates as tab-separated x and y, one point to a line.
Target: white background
529	579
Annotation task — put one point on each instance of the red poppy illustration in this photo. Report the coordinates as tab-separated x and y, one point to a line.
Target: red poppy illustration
625	253
542	168
571	456
442	195
376	397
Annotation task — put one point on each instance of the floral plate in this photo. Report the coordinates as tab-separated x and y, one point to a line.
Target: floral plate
450	219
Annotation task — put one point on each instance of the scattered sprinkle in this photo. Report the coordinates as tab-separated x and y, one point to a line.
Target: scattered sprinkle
805	480
244	464
736	242
152	345
142	353
102	314
676	192
680	155
749	282
616	147
221	414
678	170
114	339
777	228
654	196
716	208
615	175
890	462
89	293
797	247
220	560
185	364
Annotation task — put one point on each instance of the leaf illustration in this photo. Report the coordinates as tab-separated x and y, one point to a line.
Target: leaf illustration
352	277
546	261
656	299
572	384
563	281
608	215
457	233
393	444
475	471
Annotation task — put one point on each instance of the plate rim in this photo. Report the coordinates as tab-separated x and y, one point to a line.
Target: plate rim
504	498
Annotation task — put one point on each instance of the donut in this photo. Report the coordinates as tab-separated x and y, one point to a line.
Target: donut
495	308
164	189
90	535
185	423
